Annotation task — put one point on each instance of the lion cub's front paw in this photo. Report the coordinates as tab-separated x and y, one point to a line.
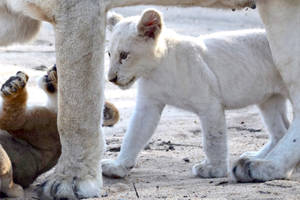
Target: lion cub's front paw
205	170
50	80
14	85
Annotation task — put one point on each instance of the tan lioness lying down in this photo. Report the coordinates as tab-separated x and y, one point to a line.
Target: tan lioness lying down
32	144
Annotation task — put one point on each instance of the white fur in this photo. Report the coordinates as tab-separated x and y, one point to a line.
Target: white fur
51	97
282	26
11	22
204	75
20	20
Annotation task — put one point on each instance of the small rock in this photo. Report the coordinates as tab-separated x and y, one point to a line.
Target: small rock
104	195
171	147
264	192
41	68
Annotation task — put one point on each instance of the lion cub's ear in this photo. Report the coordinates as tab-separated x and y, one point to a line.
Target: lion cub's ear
112	19
150	24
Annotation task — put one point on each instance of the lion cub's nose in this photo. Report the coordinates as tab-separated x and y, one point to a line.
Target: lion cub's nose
114	79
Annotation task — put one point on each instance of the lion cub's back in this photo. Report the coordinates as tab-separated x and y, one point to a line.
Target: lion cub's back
243	64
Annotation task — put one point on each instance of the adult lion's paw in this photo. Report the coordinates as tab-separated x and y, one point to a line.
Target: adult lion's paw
61	187
113	169
205	170
255	170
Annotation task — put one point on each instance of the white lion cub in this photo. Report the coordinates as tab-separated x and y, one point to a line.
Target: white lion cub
205	75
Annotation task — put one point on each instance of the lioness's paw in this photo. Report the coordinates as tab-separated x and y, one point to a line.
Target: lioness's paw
49	82
113	169
205	170
258	170
59	187
110	115
14	85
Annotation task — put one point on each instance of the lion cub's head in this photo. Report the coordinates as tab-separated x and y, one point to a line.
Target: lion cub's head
135	46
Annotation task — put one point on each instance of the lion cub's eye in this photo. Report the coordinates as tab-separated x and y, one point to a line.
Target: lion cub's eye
123	55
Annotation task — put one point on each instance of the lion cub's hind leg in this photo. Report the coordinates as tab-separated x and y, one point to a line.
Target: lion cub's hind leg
14	95
7	186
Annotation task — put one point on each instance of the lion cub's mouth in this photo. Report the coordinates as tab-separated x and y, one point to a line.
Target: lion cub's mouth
128	84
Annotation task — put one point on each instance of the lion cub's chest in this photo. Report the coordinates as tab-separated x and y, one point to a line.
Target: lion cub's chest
179	92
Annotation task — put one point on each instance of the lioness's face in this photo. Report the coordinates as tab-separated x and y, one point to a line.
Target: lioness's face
131	52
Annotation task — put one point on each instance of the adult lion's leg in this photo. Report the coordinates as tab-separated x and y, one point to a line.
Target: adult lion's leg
15	27
80	32
282	22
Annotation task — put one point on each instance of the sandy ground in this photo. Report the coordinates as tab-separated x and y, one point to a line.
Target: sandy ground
163	170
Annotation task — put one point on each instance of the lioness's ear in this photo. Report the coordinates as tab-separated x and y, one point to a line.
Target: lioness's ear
150	24
112	19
